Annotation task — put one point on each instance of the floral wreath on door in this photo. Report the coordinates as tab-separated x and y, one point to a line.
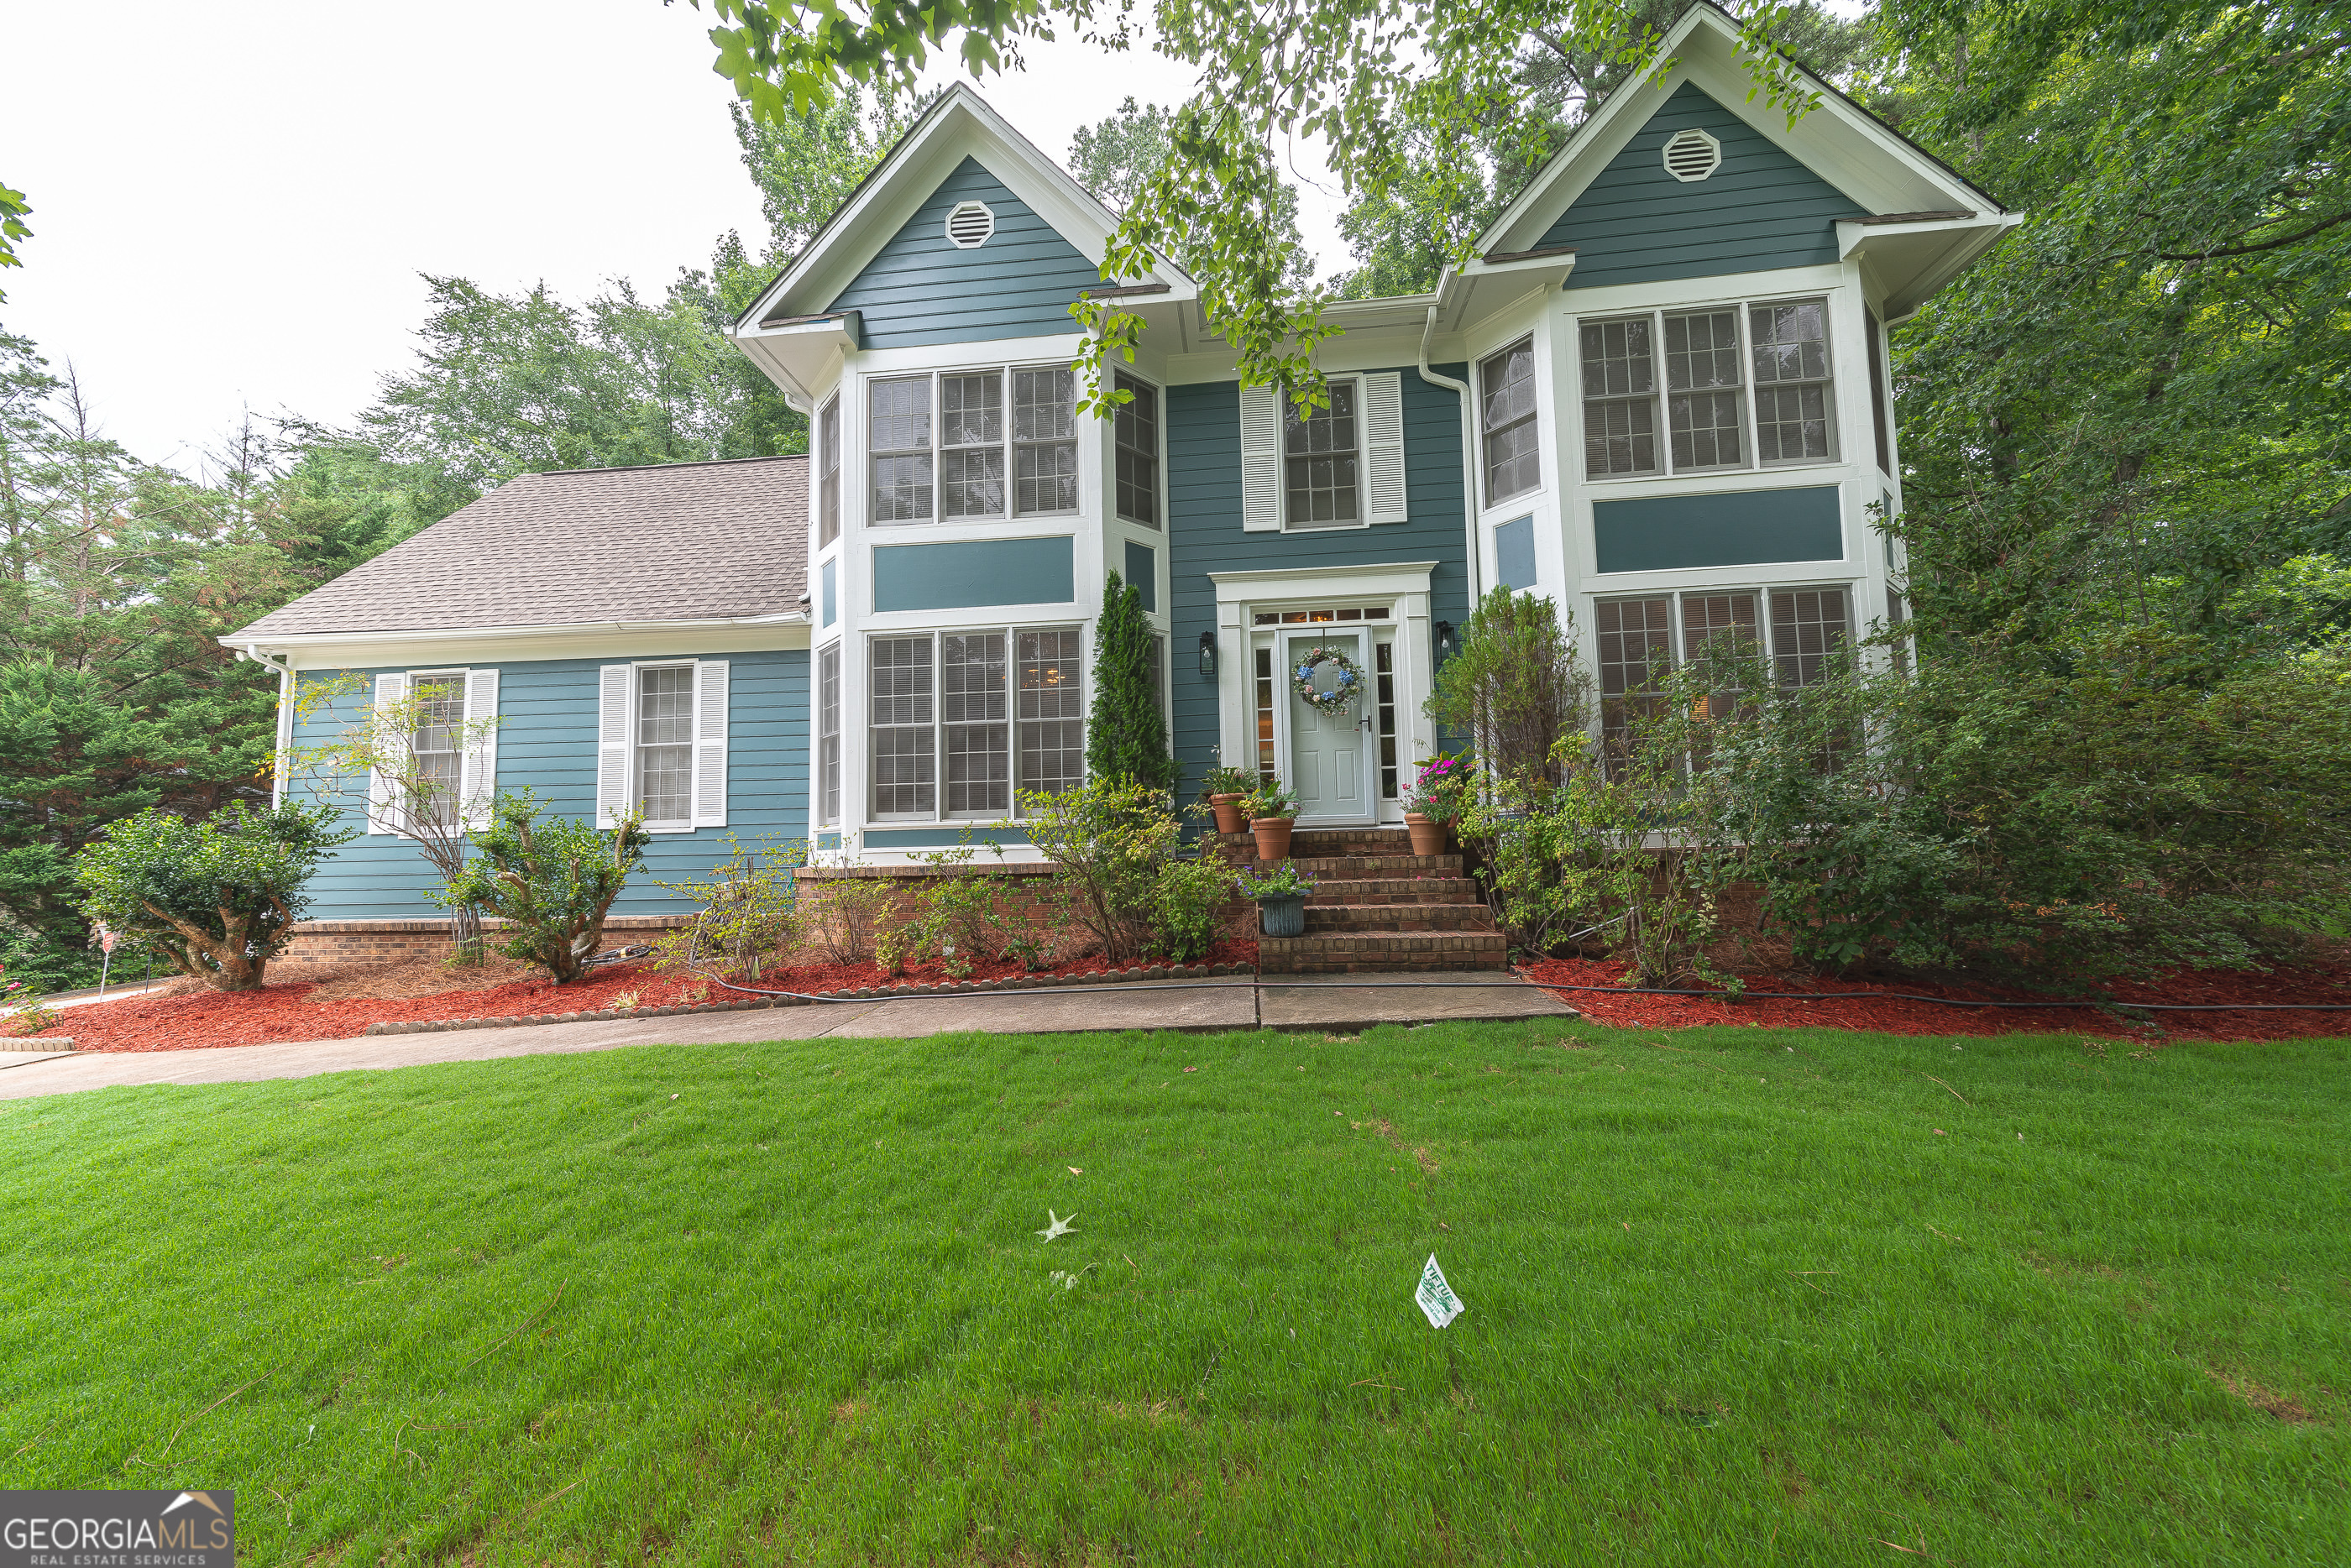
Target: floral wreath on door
1342	694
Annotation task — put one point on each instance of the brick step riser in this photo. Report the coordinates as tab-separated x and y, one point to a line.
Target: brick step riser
1405	917
1407	890
1330	841
1378	867
1382	952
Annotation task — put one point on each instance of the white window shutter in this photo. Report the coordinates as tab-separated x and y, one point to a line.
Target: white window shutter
1384	446
384	807
710	742
479	787
1260	460
613	684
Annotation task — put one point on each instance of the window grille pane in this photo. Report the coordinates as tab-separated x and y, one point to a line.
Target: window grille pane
1808	626
440	714
1636	651
1383	670
1702	351
971	481
1512	465
1704	428
1721	624
1052	711
1620	437
1264	678
1320	461
904	782
1791	341
977	741
971	443
665	742
1792	424
1617	360
1045	446
827	726
828	515
899	436
1138	443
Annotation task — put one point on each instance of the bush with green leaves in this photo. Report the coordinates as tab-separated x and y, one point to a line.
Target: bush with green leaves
1122	866
217	898
746	911
552	882
1126	733
1516	685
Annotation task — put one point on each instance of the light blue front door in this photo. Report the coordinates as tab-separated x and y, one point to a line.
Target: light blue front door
1328	754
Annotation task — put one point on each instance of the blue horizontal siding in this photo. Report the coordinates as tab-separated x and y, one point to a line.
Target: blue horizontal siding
921	290
1741	528
1204	534
547	743
1760	210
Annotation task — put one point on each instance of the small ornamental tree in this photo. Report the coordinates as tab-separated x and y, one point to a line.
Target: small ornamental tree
1516	685
219	897
551	882
1126	738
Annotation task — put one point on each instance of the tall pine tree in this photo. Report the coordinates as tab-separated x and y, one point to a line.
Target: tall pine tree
1126	738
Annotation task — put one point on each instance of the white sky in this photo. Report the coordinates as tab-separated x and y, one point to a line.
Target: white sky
232	200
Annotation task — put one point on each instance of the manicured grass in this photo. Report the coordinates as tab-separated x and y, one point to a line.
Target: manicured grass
1727	1302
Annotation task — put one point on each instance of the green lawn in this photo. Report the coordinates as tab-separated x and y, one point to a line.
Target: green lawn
1727	1302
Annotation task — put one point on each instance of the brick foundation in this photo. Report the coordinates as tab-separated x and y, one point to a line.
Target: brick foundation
321	944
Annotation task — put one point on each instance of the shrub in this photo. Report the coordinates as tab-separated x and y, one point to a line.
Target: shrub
1126	735
1121	869
1516	684
552	882
219	897
745	911
845	915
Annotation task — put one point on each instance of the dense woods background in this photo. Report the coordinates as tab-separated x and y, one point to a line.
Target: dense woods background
2130	420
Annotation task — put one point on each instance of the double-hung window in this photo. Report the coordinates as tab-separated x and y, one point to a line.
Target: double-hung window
1136	439
827	734
1321	461
828	473
1710	402
439	759
1507	385
1797	632
961	721
662	728
1005	443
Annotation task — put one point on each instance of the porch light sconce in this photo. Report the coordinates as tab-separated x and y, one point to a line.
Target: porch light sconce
1207	656
1447	645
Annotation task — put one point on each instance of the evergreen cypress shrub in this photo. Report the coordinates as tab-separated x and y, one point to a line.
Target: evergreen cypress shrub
1126	738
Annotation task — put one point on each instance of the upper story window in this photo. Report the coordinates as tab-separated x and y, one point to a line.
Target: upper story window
1138	443
1322	461
1507	389
1710	403
972	462
828	473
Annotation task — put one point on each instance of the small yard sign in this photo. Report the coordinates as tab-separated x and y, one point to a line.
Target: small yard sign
1437	1302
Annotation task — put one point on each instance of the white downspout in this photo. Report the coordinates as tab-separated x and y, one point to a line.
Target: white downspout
285	726
1468	455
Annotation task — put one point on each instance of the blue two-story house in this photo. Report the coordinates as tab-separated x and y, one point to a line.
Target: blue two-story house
1657	396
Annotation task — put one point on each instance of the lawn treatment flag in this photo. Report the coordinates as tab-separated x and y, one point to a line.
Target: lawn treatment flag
1437	1302
117	1530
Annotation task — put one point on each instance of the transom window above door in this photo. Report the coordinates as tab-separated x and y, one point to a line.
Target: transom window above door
1310	617
1716	415
969	445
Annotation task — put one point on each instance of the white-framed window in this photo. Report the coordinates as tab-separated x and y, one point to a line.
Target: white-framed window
661	738
828	472
451	749
1322	461
1136	439
1507	415
437	744
972	462
1641	638
1710	402
962	721
827	734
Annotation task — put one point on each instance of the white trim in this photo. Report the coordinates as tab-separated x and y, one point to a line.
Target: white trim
1261	415
706	795
478	772
1385	495
616	691
512	645
384	812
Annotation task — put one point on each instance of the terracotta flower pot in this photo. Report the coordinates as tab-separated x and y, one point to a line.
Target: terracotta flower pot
1273	838
1228	808
1428	837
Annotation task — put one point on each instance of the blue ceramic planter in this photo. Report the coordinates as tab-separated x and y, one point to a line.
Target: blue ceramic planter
1284	915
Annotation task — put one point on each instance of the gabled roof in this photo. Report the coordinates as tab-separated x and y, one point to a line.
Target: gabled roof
792	327
688	542
1892	179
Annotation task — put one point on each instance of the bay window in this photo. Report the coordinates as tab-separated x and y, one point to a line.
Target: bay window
972	463
1710	402
828	473
984	712
1136	438
1797	632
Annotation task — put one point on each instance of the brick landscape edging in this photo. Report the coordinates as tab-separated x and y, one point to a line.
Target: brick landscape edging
876	993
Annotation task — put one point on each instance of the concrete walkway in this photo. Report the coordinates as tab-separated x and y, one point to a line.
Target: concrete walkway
1208	1007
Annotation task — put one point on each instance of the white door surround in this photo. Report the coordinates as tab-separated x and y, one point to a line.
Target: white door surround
1242	597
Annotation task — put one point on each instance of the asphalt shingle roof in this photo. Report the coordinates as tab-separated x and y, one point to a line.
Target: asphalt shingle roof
689	541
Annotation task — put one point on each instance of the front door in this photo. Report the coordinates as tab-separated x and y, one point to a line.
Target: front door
1328	759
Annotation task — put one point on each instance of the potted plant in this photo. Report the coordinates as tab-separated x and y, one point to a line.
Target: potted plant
1435	803
1280	899
1270	809
1223	789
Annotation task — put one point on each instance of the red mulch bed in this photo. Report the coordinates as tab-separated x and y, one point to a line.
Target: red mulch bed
1885	1015
278	1012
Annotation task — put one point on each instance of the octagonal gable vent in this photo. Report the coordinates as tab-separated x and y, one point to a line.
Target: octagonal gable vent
1692	155
970	225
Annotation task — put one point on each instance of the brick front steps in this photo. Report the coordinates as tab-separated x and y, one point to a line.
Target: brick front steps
1377	908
